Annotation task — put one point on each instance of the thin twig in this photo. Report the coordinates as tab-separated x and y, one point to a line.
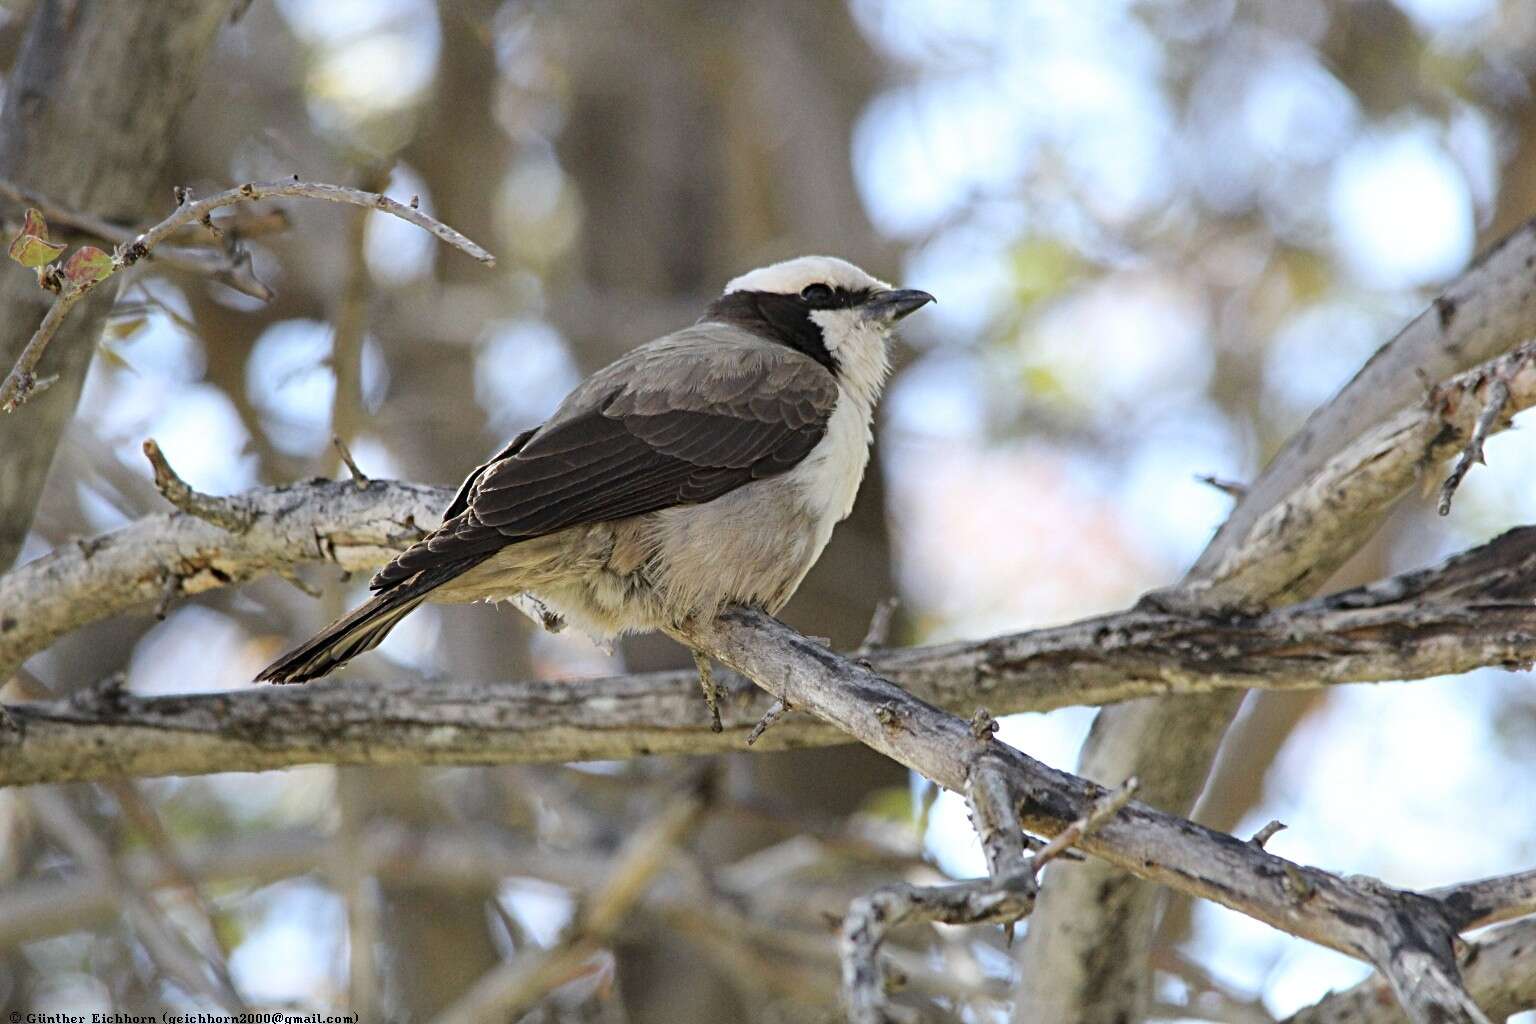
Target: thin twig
358	476
229	513
1104	808
193	212
1267	833
21	381
1230	488
878	634
1493	407
777	710
231	267
1005	896
871	919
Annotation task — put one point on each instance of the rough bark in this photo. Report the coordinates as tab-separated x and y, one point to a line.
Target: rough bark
1470	612
90	111
1408	936
1085	958
1500	971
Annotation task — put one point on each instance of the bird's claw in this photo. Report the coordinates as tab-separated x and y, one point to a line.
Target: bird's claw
711	691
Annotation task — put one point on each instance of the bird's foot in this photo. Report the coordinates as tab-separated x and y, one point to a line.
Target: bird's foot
711	691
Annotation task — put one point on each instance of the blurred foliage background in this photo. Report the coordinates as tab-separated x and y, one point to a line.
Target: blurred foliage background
1160	231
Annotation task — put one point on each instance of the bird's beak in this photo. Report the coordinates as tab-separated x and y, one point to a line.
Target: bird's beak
891	306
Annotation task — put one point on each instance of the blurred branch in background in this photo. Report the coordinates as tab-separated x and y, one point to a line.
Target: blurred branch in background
21	381
88	115
512	988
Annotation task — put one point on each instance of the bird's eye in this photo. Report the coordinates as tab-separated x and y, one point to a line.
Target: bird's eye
817	294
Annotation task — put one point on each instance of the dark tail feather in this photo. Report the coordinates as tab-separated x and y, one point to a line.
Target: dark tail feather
362	629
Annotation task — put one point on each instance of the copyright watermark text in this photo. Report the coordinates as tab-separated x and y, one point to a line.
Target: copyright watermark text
196	1017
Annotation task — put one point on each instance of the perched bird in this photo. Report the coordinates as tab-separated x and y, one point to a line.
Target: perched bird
703	469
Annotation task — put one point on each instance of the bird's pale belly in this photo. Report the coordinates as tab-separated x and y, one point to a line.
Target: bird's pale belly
653	571
752	546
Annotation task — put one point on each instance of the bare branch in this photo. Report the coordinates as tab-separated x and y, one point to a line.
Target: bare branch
1483	313
1471	611
1086	958
345	454
325	522
20	382
1407	936
1267	833
231	266
871	918
1230	488
1006	896
1499	968
1489	900
1103	809
226	513
878	634
1298	542
1493	408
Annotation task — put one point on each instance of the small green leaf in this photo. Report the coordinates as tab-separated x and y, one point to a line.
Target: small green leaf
87	265
32	251
33	224
31	247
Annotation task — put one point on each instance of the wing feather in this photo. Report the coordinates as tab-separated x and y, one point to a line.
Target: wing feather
681	421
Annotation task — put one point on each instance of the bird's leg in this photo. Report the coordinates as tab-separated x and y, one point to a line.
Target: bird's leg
707	681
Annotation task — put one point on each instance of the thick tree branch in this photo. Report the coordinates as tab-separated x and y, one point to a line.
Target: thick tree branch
1483	313
1407	936
318	521
1474	610
1299	542
1418	624
1093	968
1499	968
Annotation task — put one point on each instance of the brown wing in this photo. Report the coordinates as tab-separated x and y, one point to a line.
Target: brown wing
680	422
